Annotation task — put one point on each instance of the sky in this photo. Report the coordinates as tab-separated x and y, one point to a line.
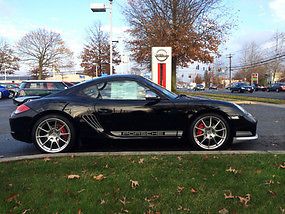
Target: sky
256	20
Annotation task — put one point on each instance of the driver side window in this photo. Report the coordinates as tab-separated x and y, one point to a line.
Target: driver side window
123	90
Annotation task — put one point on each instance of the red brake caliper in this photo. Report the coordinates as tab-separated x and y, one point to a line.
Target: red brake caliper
200	126
62	131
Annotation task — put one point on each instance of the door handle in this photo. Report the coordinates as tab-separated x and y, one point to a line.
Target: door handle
104	111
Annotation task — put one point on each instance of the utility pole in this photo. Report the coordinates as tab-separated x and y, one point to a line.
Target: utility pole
230	68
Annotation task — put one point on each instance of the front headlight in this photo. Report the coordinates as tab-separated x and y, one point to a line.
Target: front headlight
242	88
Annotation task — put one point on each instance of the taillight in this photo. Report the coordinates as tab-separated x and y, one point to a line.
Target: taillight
22	108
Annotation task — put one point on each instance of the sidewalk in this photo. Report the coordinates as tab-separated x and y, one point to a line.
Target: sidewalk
42	156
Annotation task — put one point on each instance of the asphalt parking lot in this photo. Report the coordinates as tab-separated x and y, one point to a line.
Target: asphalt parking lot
261	94
271	126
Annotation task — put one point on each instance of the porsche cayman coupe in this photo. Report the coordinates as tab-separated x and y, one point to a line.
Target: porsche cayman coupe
128	107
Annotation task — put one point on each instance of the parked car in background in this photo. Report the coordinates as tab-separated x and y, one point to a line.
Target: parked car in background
4	92
213	87
106	108
241	87
258	87
34	89
278	86
199	87
11	87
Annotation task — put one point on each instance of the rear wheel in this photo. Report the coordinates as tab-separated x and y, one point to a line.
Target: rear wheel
53	134
210	132
11	95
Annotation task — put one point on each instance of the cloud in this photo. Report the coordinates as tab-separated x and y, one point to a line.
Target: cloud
277	8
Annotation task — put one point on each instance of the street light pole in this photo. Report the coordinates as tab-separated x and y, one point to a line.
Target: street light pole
111	45
99	7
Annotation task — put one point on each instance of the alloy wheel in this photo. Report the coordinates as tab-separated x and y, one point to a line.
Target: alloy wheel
210	132
52	135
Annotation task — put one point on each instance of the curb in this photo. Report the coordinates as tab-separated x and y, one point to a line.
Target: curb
100	154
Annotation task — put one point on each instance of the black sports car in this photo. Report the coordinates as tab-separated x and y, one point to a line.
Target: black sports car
241	87
128	107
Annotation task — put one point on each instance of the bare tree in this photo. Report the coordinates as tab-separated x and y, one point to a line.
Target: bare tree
8	60
251	56
43	49
277	65
96	53
193	28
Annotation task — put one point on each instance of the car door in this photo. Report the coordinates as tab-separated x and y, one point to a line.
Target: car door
123	110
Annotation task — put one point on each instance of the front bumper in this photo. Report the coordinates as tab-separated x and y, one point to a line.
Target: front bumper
246	138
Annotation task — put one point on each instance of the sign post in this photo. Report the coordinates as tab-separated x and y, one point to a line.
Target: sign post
161	66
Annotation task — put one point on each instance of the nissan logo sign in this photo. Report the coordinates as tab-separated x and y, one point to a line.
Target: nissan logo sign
161	55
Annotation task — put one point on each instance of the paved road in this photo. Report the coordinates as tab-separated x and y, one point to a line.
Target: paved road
271	132
261	94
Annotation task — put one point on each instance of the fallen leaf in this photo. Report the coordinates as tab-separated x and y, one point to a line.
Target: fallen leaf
179	158
141	161
123	201
12	197
180	208
152	198
73	177
25	211
229	196
102	201
99	177
272	193
80	190
193	190
223	211
79	211
47	159
258	171
134	184
282	210
282	166
268	182
244	200
235	171
180	189
154	158
124	210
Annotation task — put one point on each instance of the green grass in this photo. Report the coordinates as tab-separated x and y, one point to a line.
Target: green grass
166	184
235	97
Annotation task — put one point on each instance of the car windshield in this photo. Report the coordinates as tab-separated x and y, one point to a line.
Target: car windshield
166	92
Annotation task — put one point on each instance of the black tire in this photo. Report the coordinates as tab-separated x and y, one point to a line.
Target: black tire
11	95
53	134
210	138
277	90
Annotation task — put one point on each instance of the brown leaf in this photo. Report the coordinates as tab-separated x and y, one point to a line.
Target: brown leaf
282	166
79	211
123	201
268	182
229	196
272	193
180	189
134	184
141	161
282	210
244	200
180	208
47	159
102	201
154	158
193	190
235	171
25	211
152	198
179	158
73	177
99	177
223	211
12	197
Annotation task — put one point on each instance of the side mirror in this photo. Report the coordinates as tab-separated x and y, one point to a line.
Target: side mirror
150	95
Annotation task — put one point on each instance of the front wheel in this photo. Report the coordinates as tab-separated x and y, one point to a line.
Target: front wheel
53	134
210	132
